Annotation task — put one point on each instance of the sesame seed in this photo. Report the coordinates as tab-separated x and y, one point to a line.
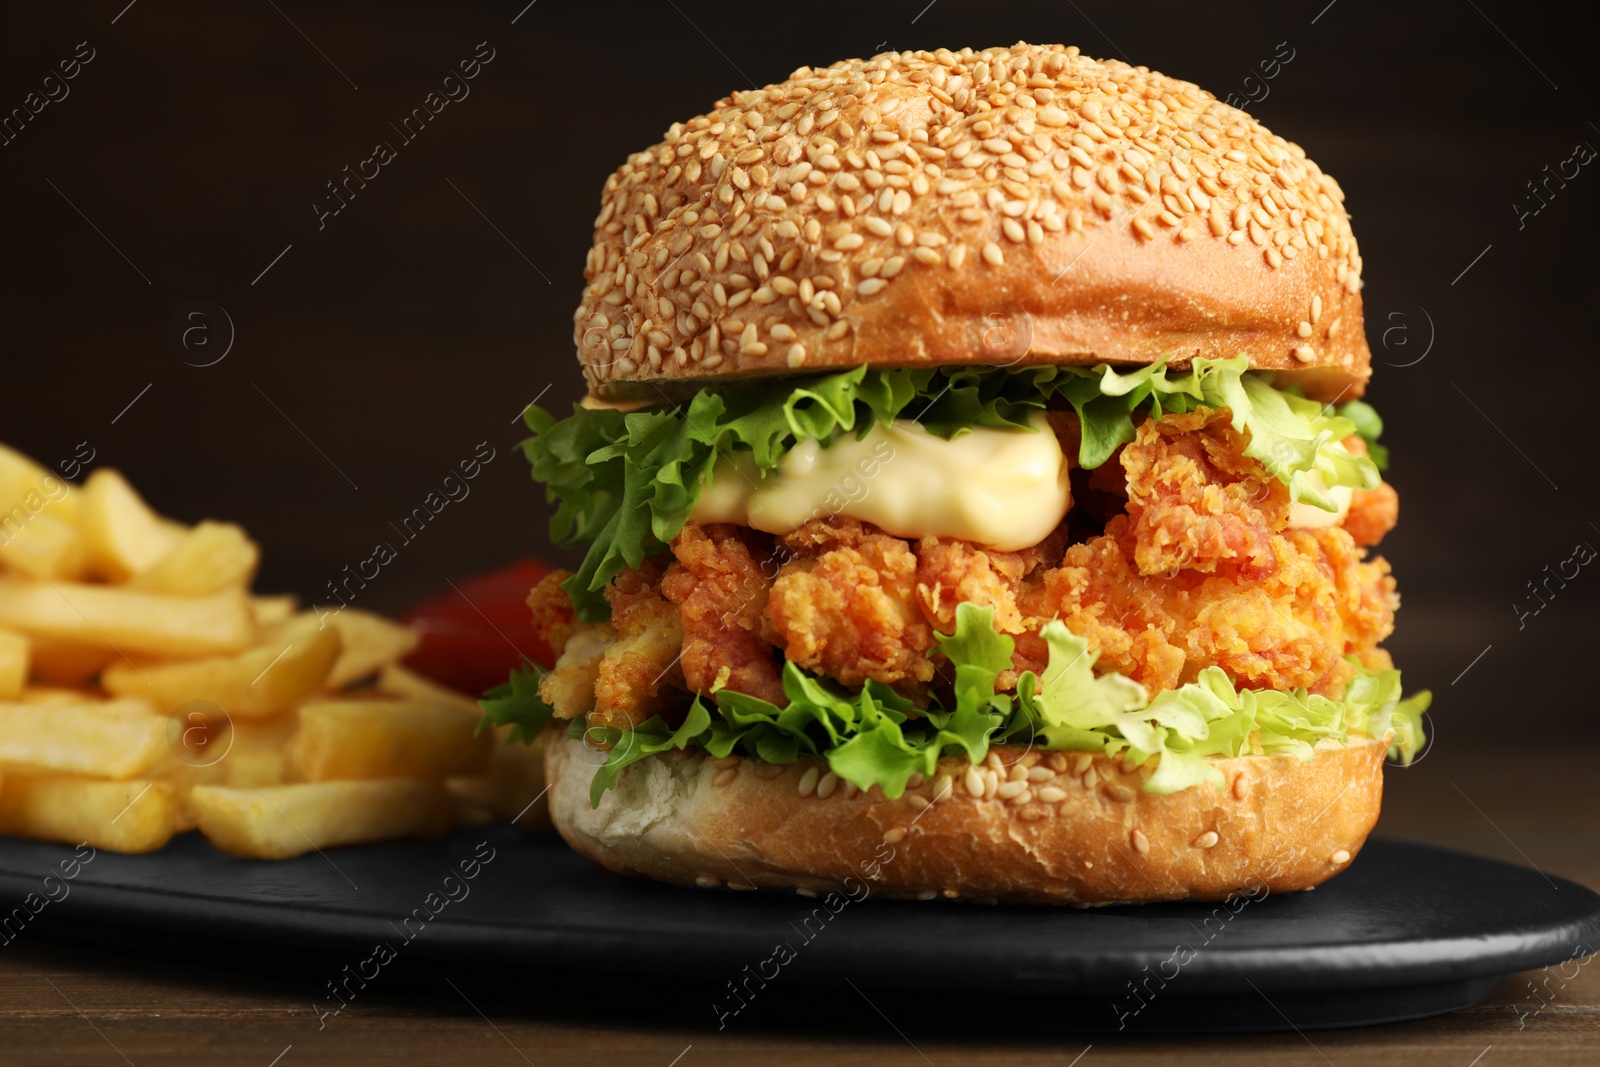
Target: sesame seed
796	355
1205	840
1141	843
1118	792
808	781
1011	789
992	254
1302	329
802	891
827	785
1304	353
894	836
974	782
707	881
1316	308
1052	794
1091	778
1041	773
1340	857
870	286
1241	787
927	894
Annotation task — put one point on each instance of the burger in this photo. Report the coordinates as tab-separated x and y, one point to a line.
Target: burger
976	496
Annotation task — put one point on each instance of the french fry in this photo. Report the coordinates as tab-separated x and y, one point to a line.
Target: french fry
121	532
273	610
45	548
195	769
208	558
68	664
136	623
256	753
26	484
399	681
278	822
252	685
39	694
386	739
110	739
133	816
512	789
370	641
14	655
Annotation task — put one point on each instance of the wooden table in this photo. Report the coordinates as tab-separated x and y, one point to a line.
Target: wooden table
61	1004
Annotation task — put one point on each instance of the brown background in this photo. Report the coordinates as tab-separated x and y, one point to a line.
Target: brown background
413	327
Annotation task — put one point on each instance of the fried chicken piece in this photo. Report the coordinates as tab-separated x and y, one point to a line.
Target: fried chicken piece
1197	503
1319	602
951	572
553	617
1373	513
720	581
568	687
640	668
847	607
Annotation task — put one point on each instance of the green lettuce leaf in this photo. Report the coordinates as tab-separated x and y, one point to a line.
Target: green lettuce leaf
1367	423
875	737
517	704
624	485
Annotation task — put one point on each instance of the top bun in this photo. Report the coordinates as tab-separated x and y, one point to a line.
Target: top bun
1012	206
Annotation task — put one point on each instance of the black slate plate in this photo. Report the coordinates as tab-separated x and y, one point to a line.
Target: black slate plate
1409	930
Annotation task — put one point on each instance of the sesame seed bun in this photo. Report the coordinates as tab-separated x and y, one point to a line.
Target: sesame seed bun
1012	206
1079	831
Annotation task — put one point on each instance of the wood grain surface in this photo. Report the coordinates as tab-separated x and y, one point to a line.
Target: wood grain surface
63	1004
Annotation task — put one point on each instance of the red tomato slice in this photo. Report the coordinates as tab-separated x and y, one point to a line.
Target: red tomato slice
473	635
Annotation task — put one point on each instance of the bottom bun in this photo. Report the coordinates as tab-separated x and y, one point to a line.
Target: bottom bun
1027	826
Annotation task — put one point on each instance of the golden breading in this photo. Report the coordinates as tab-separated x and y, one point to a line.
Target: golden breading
848	607
640	669
720	582
568	687
1316	602
1373	513
1196	501
553	618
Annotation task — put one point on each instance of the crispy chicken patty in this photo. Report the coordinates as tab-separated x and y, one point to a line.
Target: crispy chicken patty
1176	557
